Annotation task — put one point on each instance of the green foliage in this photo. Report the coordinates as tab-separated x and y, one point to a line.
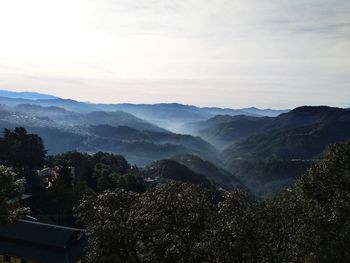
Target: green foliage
101	171
325	195
82	163
116	162
173	223
237	229
180	222
106	216
184	221
169	223
22	151
11	187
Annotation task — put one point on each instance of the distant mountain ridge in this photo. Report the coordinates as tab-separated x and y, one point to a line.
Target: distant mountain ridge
119	132
261	149
265	112
268	153
25	95
302	133
189	112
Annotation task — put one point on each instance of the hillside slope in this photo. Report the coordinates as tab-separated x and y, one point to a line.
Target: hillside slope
172	170
223	130
283	149
303	133
217	176
141	143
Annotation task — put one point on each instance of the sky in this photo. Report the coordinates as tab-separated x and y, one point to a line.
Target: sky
228	53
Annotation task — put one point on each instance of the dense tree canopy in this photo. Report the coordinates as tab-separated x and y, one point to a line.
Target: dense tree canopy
78	174
23	152
169	223
325	197
181	222
130	221
11	189
107	218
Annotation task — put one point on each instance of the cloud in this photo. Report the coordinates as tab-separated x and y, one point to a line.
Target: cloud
278	53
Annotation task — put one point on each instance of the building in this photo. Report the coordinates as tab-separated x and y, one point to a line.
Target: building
21	199
49	175
33	242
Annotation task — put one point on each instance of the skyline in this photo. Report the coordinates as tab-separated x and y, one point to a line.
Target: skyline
275	54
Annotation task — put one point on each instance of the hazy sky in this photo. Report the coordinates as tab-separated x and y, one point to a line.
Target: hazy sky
266	53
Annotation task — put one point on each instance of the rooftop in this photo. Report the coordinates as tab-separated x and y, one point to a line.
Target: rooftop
42	242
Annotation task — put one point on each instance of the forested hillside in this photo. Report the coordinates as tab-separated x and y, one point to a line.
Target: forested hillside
264	150
307	223
136	214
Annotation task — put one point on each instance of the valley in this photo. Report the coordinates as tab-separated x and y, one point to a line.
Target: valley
263	151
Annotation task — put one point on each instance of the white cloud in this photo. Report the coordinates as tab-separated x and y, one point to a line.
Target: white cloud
277	53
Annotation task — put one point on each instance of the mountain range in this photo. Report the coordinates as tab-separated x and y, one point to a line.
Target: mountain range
261	150
167	115
26	95
302	133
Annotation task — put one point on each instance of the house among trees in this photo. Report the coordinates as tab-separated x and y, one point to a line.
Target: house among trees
33	242
50	174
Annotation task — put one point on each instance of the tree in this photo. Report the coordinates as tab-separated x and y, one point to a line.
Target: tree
105	178
11	187
99	171
131	182
173	223
116	162
169	223
82	163
238	234
22	151
106	217
181	222
324	193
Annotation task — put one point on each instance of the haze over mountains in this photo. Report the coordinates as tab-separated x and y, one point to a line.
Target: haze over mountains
261	150
168	115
